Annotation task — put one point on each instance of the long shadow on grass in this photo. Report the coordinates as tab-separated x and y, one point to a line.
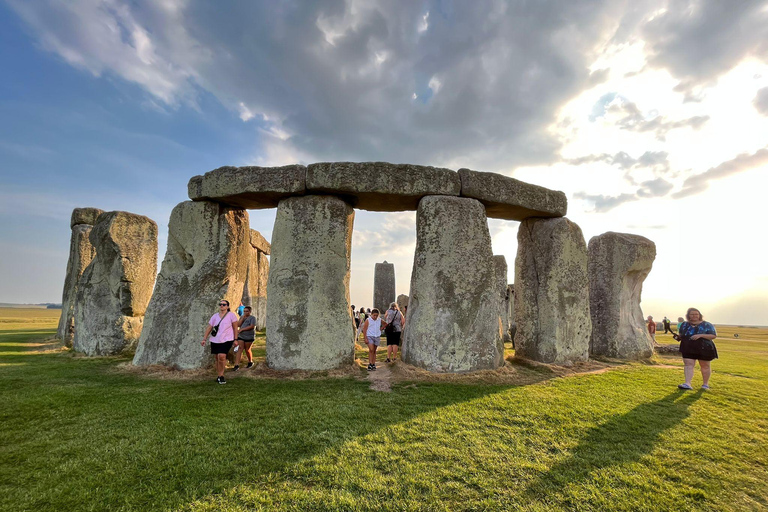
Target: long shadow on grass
622	439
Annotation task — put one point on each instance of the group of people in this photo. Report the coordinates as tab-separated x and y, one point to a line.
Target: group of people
371	325
224	330
696	344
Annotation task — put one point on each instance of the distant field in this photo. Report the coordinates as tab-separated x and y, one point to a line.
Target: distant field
84	434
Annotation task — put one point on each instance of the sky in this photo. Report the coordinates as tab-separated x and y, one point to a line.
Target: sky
652	117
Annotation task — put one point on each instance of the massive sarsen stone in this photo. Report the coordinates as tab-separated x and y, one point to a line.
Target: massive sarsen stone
500	268
511	199
205	262
249	187
453	311
115	288
618	265
402	301
255	289
383	285
81	253
551	292
308	309
381	186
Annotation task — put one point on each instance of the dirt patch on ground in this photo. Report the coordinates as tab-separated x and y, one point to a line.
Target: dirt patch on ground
259	371
381	378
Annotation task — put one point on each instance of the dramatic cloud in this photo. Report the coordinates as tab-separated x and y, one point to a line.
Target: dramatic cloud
744	162
628	116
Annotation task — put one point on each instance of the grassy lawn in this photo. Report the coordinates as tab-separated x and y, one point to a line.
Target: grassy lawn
83	434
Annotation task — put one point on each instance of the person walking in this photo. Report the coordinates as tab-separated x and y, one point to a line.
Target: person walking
240	309
222	328
652	328
246	328
372	329
667	325
695	336
395	322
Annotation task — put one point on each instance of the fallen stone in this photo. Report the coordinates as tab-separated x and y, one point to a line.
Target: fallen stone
453	311
205	262
381	186
511	199
249	187
500	271
115	288
402	301
81	253
308	311
383	285
551	292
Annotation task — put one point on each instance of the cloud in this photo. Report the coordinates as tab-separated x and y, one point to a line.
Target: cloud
761	101
628	116
744	162
649	159
604	203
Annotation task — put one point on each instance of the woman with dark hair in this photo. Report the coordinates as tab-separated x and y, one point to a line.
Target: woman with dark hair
695	336
222	327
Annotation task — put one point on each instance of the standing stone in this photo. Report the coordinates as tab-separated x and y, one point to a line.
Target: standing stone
551	292
402	301
453	311
512	326
383	285
255	289
116	287
205	262
81	253
500	270
308	310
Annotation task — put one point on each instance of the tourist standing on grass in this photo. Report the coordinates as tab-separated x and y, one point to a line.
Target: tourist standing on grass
372	329
696	337
246	327
222	327
395	321
652	328
667	325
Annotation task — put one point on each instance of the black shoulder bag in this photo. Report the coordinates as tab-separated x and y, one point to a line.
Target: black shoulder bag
390	328
215	330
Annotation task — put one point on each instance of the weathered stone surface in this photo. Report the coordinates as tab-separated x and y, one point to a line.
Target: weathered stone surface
308	310
453	311
500	271
402	301
249	187
512	326
255	289
618	265
551	292
86	216
116	286
381	186
511	199
383	285
205	262
81	253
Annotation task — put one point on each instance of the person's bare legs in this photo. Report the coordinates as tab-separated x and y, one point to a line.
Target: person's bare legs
248	352
239	352
706	371
390	349
394	352
690	365
221	363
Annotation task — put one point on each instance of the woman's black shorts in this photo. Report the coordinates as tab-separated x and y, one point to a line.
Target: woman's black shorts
221	348
394	338
701	349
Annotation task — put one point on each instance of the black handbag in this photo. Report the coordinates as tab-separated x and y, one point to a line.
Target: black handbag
215	330
390	328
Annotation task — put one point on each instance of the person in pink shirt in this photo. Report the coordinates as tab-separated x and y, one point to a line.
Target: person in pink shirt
223	330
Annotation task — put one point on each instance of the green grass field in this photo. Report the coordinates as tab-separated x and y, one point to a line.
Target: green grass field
85	434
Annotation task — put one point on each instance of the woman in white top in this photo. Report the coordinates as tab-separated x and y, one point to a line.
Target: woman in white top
372	329
225	324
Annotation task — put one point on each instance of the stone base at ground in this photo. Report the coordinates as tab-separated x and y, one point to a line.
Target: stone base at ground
618	266
308	311
551	292
205	262
116	286
453	311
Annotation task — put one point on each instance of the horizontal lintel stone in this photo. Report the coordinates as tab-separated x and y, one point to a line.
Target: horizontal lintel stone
249	187
381	186
260	243
511	199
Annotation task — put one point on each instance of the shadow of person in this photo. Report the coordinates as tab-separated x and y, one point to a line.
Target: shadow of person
622	439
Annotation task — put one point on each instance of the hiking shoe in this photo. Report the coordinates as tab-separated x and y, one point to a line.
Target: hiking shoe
684	386
250	364
705	387
237	367
388	360
221	380
373	367
370	367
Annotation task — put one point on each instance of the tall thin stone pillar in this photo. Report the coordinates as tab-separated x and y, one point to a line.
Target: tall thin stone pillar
500	268
383	285
308	308
205	262
255	289
81	253
453	310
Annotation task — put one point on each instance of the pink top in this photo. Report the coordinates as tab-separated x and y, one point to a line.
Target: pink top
225	327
